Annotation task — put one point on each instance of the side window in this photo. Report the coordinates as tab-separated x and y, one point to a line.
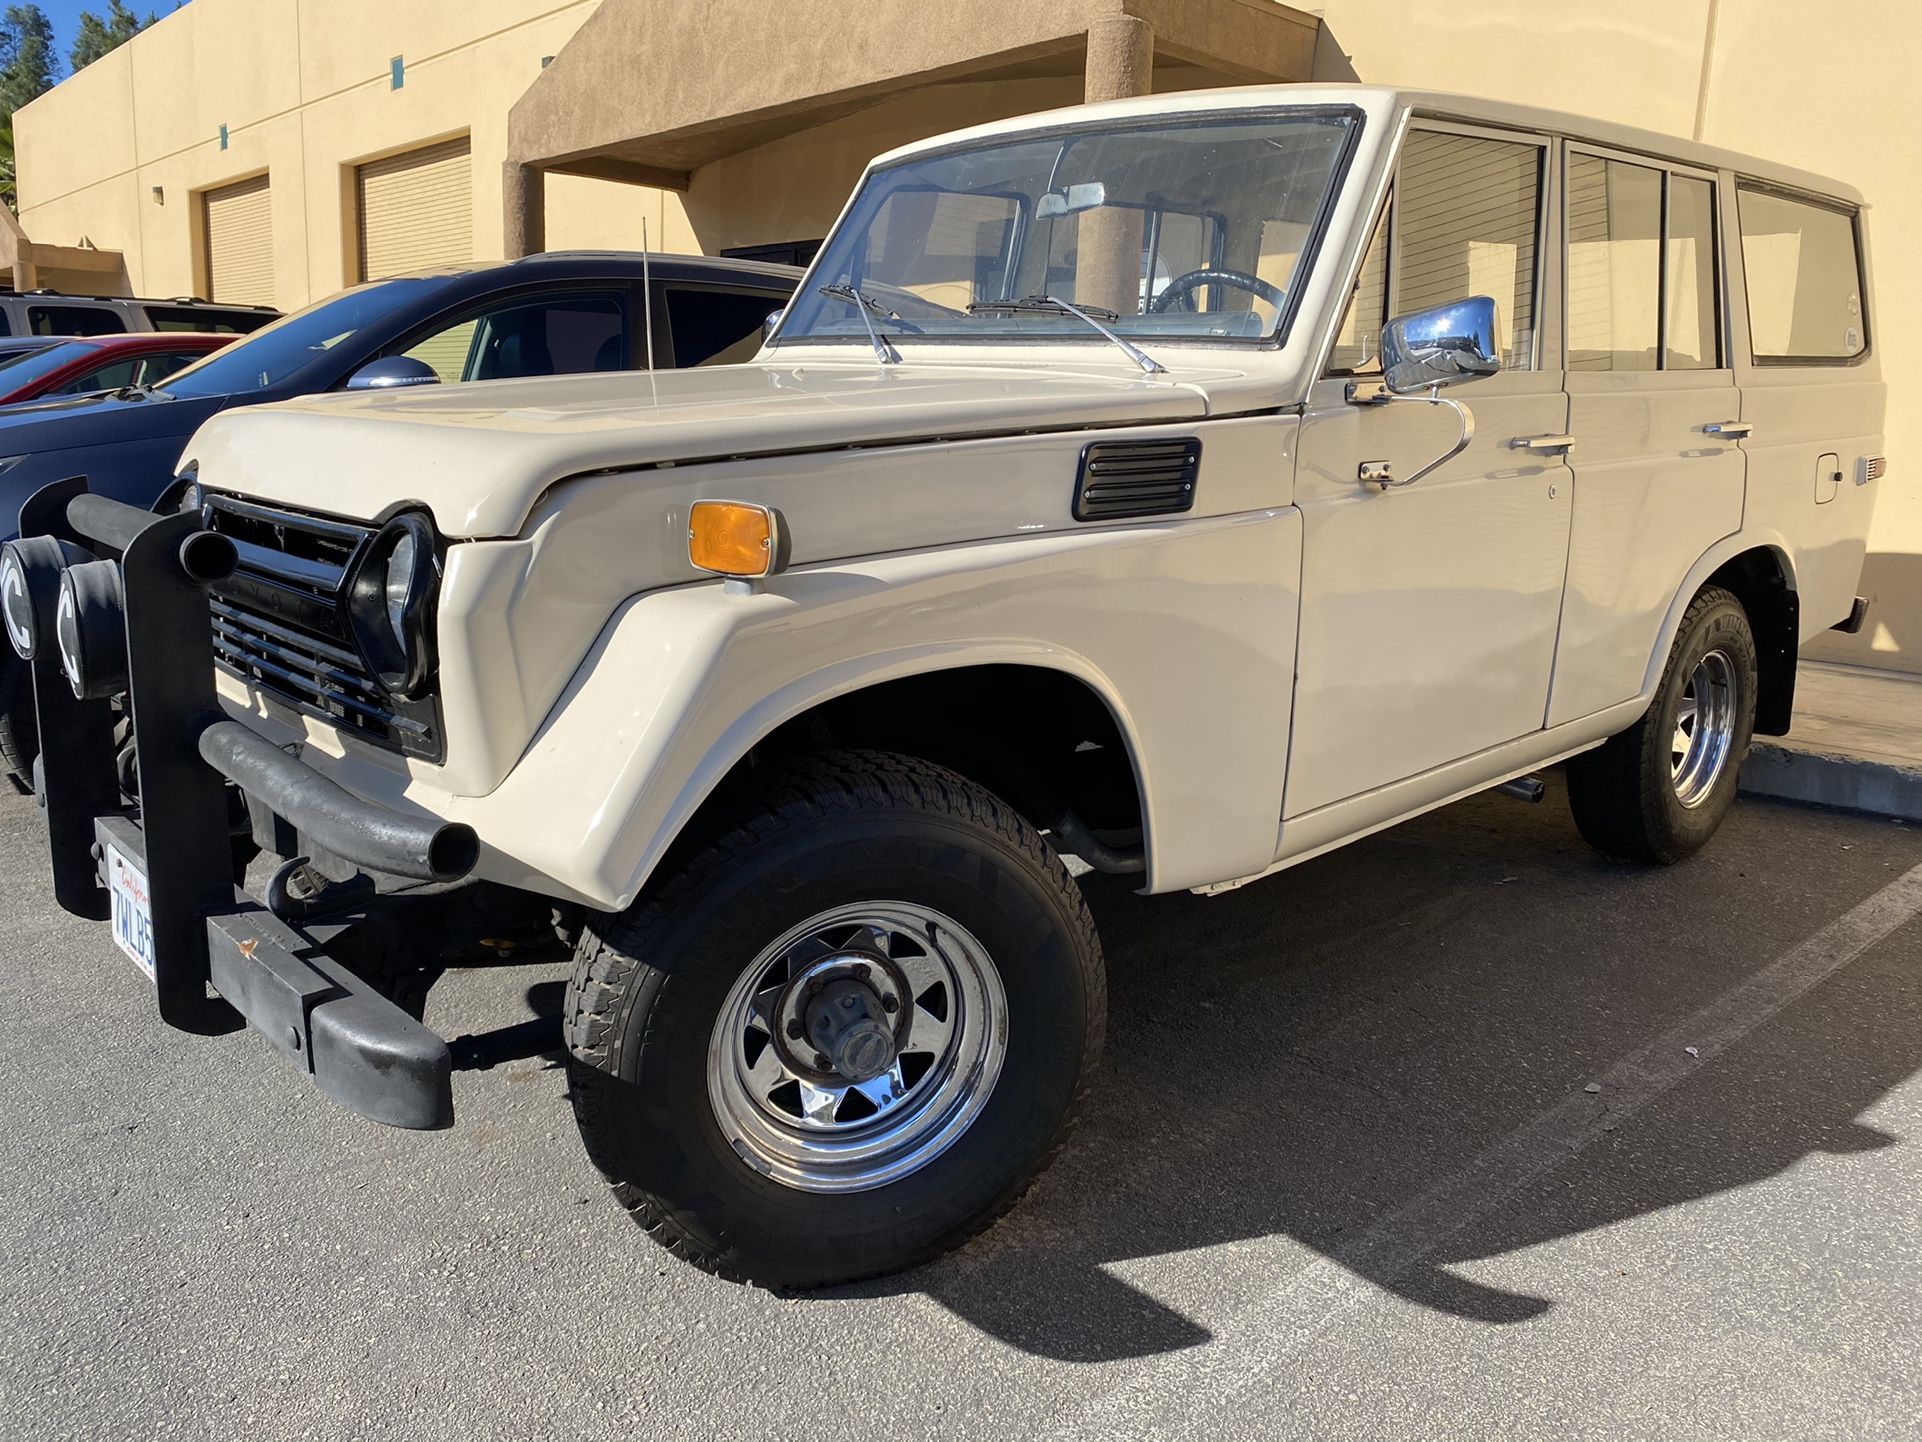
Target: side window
1173	244
109	377
74	320
156	368
551	335
714	327
1468	213
1358	343
1614	265
1692	322
206	318
1642	291
1804	271
6	322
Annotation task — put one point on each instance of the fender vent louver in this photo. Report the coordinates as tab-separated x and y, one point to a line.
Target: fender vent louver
1123	479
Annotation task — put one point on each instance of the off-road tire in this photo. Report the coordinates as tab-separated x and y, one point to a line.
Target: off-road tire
648	985
1623	793
19	733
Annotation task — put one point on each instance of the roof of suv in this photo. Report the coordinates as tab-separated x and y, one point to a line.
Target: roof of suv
46	293
633	262
1385	103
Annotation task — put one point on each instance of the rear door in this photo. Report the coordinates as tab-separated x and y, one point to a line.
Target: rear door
1812	392
1653	410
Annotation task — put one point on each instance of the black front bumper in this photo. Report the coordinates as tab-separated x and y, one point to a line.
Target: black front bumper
219	954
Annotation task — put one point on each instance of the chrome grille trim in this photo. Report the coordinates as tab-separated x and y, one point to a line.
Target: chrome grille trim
280	625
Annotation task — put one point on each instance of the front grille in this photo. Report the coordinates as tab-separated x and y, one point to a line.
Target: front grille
280	624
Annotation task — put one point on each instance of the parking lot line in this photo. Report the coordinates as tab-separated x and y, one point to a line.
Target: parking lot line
1198	1393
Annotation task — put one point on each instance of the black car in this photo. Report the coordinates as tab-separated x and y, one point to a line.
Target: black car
553	314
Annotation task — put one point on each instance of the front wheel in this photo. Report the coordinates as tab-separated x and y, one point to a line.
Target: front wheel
1658	791
845	1033
19	732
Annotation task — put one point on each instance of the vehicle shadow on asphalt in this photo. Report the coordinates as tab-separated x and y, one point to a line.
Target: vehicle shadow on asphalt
539	1036
1304	1057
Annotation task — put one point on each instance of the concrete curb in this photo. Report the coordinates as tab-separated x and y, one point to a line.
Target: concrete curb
1878	788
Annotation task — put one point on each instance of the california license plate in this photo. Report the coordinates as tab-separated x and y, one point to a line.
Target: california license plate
132	912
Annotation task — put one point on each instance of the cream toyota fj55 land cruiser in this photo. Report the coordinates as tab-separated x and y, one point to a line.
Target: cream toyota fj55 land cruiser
1186	485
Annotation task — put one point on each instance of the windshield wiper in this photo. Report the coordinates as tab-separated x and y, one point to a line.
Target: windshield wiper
883	352
1054	304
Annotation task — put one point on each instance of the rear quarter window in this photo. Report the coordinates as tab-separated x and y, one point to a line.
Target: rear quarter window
206	319
75	320
1802	261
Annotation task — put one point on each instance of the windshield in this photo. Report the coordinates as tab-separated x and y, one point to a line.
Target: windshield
273	353
1161	228
21	367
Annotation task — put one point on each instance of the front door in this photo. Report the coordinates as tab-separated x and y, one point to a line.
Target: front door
1429	613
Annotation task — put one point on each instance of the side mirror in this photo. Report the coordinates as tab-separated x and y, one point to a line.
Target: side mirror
773	319
389	371
1440	347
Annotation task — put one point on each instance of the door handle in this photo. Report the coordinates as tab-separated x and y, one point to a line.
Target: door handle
1728	430
1542	443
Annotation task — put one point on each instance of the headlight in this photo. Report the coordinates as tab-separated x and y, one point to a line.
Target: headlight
390	601
17	602
90	628
399	584
30	571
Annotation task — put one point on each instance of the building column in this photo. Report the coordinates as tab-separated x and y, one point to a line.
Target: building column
524	207
1121	64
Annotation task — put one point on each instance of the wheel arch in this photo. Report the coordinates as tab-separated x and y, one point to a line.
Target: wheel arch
1048	734
1758	568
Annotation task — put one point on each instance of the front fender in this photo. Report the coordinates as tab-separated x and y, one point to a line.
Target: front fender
1187	630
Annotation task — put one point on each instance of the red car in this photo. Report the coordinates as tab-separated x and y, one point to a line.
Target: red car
32	367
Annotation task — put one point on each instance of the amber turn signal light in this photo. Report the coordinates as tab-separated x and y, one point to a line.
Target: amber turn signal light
736	538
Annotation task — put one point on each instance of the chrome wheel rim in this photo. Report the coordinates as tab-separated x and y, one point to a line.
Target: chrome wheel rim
857	1047
1704	733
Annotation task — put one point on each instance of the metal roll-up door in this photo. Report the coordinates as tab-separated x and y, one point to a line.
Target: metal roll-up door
240	243
416	211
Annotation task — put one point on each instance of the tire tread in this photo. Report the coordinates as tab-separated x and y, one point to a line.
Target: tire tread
609	970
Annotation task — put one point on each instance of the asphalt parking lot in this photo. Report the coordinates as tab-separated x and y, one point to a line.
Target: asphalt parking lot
1407	1142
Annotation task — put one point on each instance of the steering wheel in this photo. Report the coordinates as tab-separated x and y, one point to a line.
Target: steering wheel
1183	287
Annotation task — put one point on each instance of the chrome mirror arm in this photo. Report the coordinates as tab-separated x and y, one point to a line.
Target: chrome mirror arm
1381	474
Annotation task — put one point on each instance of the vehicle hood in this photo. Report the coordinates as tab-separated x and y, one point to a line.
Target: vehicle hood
479	455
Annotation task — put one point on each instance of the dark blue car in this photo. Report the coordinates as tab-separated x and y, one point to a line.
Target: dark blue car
552	314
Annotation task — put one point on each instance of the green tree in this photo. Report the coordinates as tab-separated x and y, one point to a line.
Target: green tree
26	70
97	36
26	57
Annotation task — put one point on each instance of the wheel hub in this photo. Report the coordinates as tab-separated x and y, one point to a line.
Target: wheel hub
843	1019
847	1026
857	1047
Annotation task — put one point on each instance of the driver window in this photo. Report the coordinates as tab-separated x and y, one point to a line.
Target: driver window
1357	349
1469	212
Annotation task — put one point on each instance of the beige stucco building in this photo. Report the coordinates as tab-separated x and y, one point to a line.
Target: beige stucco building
276	150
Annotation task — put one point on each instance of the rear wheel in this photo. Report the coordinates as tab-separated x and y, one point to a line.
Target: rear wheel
845	1033
1658	791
